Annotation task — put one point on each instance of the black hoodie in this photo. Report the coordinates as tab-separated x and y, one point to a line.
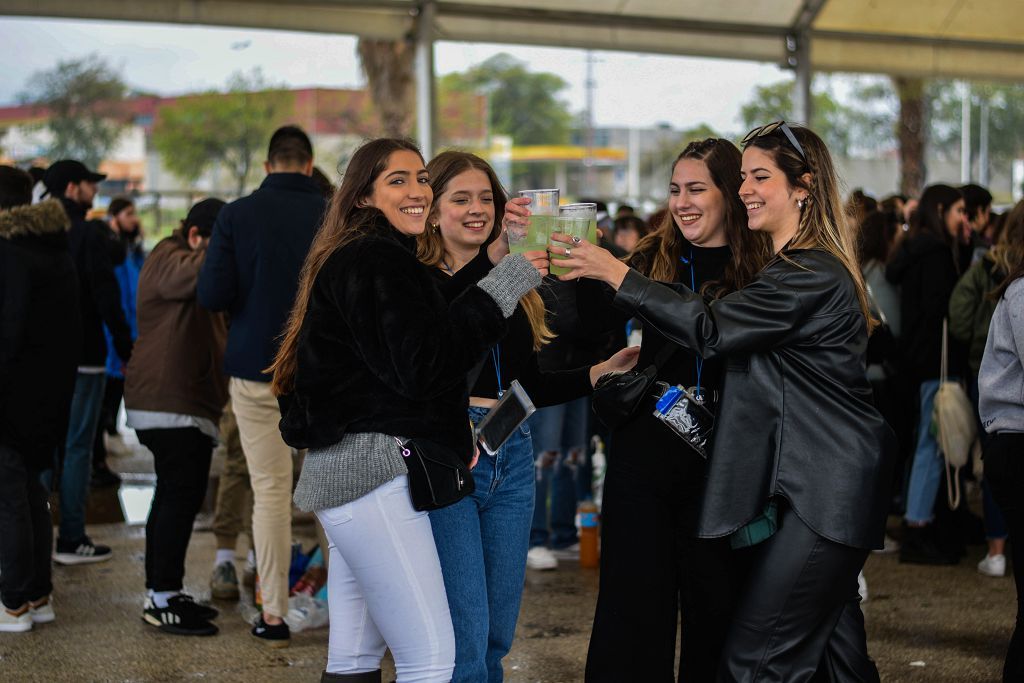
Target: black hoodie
40	330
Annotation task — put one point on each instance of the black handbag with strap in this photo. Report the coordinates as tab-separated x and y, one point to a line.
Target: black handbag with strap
617	395
438	477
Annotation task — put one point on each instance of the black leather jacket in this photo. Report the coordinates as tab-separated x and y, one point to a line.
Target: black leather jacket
796	418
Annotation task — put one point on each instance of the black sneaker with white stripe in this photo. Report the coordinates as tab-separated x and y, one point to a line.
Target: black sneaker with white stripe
179	617
82	551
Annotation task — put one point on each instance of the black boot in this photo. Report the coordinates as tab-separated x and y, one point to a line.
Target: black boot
368	677
920	547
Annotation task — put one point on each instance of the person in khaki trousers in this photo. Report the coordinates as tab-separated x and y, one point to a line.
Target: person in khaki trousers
251	271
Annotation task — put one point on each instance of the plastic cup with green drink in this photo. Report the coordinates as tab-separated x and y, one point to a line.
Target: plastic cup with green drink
534	236
570	226
586	210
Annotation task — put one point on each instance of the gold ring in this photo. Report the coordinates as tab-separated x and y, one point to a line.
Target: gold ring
567	252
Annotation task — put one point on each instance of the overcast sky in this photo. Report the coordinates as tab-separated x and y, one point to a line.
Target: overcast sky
632	89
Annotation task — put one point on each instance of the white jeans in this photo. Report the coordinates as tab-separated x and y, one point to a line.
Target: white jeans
385	588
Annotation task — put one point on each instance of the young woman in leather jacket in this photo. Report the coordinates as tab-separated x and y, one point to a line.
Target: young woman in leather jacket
482	540
373	353
799	468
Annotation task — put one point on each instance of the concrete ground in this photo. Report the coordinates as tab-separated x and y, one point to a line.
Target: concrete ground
934	624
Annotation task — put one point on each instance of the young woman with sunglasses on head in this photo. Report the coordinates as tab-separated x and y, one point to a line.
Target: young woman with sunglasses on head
798	471
373	352
652	487
482	540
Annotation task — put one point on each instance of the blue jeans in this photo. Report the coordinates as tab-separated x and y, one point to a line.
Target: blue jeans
560	447
482	542
926	469
74	480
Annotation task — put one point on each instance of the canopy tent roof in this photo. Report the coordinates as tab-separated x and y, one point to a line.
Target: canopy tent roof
971	39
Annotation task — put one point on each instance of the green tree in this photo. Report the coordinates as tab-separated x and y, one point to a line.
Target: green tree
521	103
1005	103
845	129
83	102
221	129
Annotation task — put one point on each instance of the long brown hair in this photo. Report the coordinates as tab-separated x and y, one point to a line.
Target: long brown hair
1008	254
345	221
430	245
657	254
823	221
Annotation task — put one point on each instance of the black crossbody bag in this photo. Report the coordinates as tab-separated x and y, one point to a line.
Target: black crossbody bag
617	395
438	476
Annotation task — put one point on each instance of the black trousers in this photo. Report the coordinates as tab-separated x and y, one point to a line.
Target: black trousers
798	616
181	458
653	571
26	532
1004	472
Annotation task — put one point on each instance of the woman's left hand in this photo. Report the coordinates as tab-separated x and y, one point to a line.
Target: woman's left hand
584	259
625	359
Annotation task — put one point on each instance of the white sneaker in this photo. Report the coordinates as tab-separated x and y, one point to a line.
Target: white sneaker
862	587
42	612
15	623
541	559
993	565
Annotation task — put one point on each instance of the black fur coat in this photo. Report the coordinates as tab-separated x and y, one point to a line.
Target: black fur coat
381	351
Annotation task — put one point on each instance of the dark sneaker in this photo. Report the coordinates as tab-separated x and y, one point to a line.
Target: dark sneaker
273	636
186	604
83	551
224	582
176	619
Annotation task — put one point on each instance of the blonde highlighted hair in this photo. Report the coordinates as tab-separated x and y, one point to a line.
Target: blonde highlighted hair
430	245
823	220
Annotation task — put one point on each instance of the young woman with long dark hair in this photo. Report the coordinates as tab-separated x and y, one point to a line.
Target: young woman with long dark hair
798	471
926	266
482	540
373	353
652	566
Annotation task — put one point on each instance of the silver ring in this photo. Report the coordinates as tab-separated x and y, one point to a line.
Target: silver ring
567	252
576	239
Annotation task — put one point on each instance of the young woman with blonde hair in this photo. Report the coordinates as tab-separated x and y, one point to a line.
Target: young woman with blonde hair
373	353
483	539
798	472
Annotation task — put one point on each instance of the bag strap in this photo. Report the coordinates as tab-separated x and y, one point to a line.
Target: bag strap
944	369
952	482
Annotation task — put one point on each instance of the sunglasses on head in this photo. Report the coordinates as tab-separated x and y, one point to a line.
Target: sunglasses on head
770	128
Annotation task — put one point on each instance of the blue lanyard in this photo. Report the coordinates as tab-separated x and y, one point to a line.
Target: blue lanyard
496	357
693	288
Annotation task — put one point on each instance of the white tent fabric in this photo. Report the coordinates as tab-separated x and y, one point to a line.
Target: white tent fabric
975	39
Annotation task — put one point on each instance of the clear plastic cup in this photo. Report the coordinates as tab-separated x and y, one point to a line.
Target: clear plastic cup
535	235
583	210
572	226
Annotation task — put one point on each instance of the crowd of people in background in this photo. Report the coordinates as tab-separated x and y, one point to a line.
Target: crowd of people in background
338	325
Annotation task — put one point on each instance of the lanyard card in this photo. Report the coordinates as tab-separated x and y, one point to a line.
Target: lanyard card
504	418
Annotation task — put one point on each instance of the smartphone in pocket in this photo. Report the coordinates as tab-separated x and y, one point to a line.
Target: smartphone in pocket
504	418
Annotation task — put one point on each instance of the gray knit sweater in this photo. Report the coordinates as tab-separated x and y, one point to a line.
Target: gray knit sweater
361	462
1001	377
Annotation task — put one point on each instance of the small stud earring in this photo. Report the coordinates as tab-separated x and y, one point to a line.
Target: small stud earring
801	203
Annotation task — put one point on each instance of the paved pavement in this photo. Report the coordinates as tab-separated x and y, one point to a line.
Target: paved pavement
934	624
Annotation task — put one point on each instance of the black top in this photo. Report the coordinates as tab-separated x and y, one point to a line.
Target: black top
382	350
514	353
796	418
92	249
926	270
257	249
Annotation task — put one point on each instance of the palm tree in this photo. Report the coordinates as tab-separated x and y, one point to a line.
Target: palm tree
388	65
